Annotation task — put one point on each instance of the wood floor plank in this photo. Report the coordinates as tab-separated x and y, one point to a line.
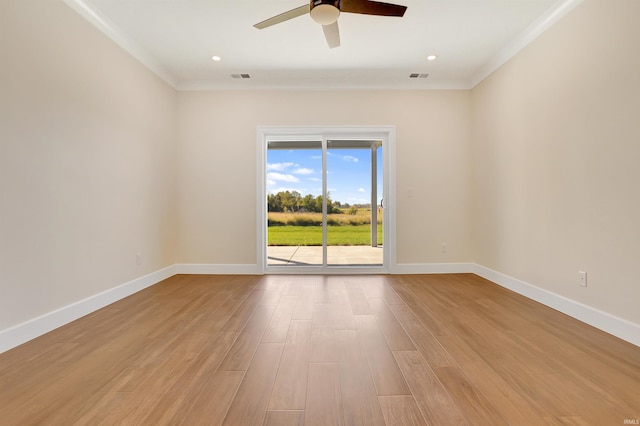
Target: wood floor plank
470	401
217	318
141	404
249	406
377	287
324	396
22	401
383	367
435	324
359	398
213	400
273	290
196	380
426	342
103	405
395	335
435	403
477	327
568	421
243	349
323	345
564	358
401	410
291	381
278	326
241	315
515	409
357	300
570	399
304	306
330	290
285	418
334	316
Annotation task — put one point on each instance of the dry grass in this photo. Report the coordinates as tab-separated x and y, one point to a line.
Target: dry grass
362	217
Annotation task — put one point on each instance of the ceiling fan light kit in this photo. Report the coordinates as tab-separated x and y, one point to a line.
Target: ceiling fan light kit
324	12
327	12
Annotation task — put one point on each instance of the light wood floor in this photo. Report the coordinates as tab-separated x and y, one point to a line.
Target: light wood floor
322	350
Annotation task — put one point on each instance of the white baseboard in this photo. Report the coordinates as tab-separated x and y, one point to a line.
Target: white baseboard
28	330
432	268
217	269
253	269
625	330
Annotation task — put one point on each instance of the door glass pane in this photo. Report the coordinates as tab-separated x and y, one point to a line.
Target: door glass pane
354	214
294	203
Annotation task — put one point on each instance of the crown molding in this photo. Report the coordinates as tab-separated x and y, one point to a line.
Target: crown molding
532	32
109	29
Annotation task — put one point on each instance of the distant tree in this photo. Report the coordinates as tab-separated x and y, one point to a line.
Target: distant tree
293	201
287	201
274	203
297	200
308	202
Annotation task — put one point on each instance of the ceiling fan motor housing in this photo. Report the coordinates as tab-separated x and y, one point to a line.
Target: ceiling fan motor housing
325	12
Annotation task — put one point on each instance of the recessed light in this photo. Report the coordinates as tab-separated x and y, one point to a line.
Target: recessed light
216	58
431	58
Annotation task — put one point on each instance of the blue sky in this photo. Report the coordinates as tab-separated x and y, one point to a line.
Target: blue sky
348	173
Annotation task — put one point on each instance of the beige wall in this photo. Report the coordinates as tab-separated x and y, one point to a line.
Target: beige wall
87	177
217	183
556	148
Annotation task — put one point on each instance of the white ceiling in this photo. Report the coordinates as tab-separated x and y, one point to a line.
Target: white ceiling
176	39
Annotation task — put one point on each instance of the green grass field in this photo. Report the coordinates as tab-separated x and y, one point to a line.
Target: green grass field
345	235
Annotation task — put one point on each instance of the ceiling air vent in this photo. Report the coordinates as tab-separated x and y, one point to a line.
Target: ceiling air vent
240	76
418	75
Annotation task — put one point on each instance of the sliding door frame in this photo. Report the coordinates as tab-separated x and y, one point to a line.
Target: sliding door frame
386	134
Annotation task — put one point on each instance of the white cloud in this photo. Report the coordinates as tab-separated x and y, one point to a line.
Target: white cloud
279	177
303	171
315	179
278	166
361	190
350	158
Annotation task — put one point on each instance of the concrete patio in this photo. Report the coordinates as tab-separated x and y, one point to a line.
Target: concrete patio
312	255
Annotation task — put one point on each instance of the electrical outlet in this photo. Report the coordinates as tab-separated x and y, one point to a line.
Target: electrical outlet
443	247
138	259
582	278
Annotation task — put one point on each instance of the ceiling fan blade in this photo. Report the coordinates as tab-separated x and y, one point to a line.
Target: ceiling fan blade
293	13
332	34
368	7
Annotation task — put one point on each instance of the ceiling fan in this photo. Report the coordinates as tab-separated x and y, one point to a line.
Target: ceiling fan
326	13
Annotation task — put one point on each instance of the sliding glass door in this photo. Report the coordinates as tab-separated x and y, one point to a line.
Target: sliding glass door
354	216
294	188
324	203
